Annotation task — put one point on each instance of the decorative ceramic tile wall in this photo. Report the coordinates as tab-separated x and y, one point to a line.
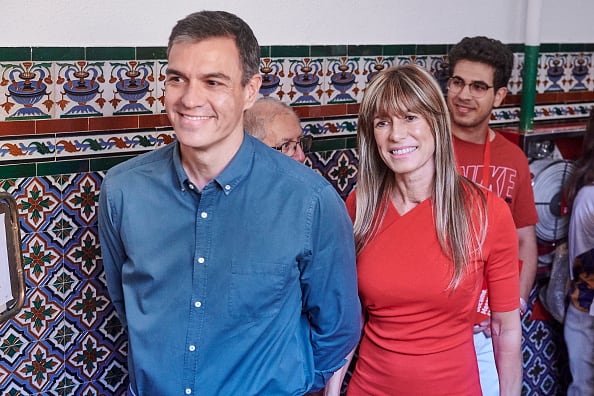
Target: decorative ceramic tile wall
100	85
69	114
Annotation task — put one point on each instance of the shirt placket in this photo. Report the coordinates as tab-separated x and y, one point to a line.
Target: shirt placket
198	301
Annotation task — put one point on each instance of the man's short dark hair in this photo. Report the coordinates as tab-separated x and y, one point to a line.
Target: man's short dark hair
488	51
203	25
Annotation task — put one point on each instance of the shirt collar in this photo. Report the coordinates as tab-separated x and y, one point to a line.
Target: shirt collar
182	177
233	173
239	166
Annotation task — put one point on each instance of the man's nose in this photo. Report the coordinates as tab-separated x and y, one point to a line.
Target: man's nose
299	155
193	95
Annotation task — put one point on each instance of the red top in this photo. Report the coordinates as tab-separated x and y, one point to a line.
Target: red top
418	337
510	176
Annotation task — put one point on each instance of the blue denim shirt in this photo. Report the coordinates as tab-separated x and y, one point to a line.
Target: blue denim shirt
245	288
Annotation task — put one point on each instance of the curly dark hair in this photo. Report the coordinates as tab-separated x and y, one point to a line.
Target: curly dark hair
485	50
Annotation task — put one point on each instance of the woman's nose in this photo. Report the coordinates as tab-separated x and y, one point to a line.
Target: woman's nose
399	130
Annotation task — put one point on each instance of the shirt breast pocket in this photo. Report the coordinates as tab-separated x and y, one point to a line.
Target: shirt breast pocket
257	289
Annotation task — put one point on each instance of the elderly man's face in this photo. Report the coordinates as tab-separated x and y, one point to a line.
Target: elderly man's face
286	130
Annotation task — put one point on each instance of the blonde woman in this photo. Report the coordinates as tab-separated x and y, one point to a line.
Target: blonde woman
425	237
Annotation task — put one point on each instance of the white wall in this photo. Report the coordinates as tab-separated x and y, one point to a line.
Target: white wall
284	22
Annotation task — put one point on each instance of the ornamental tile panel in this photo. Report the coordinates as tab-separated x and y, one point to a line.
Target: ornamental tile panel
86	360
124	142
32	148
39	370
38	201
81	198
40	313
80	89
27	87
40	258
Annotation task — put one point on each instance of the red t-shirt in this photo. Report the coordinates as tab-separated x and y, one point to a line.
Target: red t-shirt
418	337
509	178
510	175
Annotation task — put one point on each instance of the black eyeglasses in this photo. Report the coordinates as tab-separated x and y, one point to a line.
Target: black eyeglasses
289	147
478	89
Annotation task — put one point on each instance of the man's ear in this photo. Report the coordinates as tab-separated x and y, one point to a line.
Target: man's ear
499	96
252	89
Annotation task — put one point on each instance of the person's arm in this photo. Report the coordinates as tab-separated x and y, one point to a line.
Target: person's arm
329	286
112	252
506	333
504	297
529	256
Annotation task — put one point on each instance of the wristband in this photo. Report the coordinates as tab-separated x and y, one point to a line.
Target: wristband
523	306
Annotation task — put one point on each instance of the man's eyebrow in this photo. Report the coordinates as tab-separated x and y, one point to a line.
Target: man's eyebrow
171	70
221	76
471	81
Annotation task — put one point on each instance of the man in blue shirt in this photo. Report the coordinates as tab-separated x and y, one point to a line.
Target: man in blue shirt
231	266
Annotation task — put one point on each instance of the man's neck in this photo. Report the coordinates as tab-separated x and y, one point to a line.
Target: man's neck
473	135
202	166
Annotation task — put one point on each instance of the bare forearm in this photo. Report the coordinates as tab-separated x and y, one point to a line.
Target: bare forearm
507	338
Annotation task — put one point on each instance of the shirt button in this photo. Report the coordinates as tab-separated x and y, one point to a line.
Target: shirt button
201	260
192	348
227	187
204	215
191	186
188	391
197	304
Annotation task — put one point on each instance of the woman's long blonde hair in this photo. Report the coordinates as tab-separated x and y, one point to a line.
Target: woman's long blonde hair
455	200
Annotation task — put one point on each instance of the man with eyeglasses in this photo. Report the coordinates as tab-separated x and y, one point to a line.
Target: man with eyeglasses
480	69
277	125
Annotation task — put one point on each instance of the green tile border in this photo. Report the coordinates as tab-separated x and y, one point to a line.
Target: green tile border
265	51
62	167
17	171
21	54
15	54
549	48
110	53
432	49
293	51
395	50
58	53
351	142
572	47
329	144
328	50
103	164
364	50
151	53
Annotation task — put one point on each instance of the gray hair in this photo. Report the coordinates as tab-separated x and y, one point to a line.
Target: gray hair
257	118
